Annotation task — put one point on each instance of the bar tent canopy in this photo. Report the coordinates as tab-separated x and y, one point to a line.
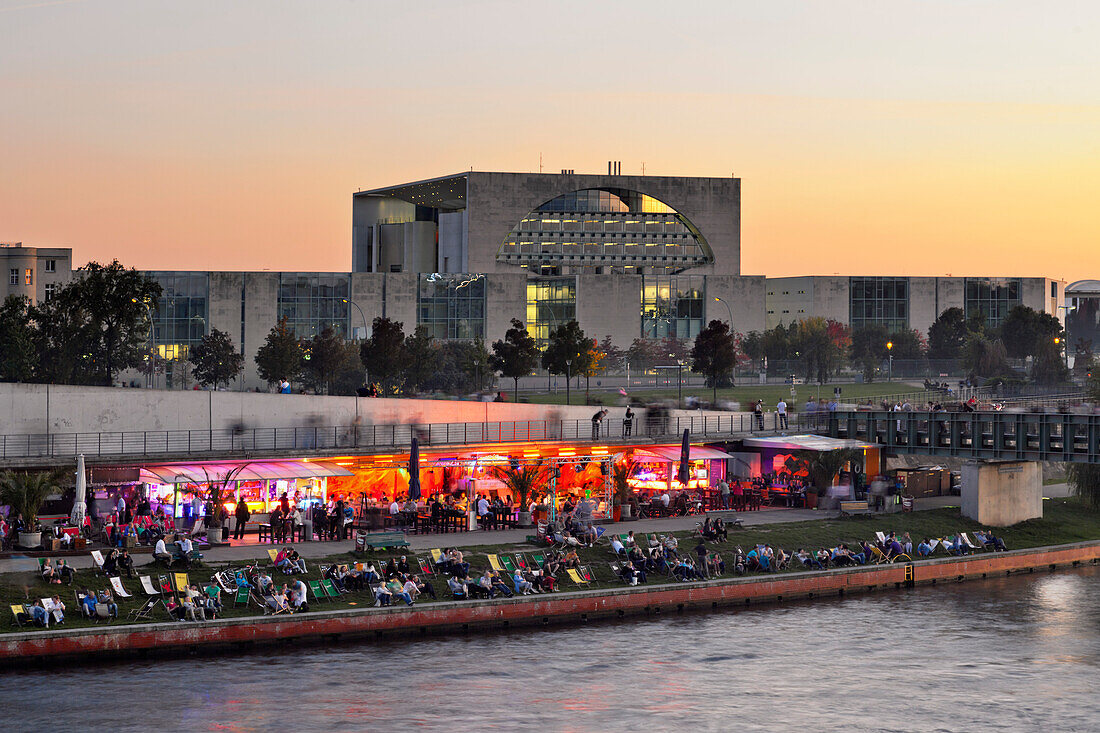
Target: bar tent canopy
672	453
201	473
804	442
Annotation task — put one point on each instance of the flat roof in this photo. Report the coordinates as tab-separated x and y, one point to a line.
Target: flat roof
804	442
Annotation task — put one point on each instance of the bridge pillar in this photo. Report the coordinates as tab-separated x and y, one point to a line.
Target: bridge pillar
1000	493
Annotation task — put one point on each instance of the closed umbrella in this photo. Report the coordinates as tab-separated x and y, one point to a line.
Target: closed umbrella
79	505
685	449
414	470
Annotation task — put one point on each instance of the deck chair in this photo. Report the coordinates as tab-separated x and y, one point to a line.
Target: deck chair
508	565
120	591
587	575
494	563
145	612
878	556
147	585
166	588
881	537
56	614
970	543
437	556
600	531
575	576
97	561
180	581
102	613
317	591
329	588
272	554
522	561
242	596
225	581
16	612
539	559
425	566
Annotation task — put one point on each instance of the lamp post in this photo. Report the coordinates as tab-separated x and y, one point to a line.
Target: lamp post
890	350
356	306
728	310
568	363
152	340
679	382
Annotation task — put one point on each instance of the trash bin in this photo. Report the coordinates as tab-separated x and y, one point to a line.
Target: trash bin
307	530
360	541
907	503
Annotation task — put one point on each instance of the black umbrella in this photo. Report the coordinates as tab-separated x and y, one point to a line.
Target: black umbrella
683	475
414	470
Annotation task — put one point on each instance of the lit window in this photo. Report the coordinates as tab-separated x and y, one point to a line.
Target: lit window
28	276
51	290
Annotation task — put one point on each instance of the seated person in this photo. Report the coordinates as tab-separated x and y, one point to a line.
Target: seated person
628	541
332	572
282	600
457	588
403	566
397	588
807	559
64	572
190	609
56	608
160	552
264	584
958	547
824	557
39	615
906	544
638	569
298	599
628	574
571	560
721	533
382	595
107	598
411	589
552	564
617	546
894	548
924	549
483	588
706	530
989	540
282	561
211	604
715	564
126	563
672	546
175	610
110	563
49	572
498	586
423	586
186	548
88	603
780	559
522	586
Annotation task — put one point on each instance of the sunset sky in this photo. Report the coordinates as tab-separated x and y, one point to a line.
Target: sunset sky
920	138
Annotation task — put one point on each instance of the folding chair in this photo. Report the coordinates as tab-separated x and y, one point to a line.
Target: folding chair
180	581
880	537
242	597
97	561
147	585
576	577
966	539
120	591
318	592
329	588
16	611
272	554
539	559
507	563
587	575
166	588
494	563
437	556
522	561
145	613
425	566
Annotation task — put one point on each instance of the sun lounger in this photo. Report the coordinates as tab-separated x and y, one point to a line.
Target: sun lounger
145	612
507	563
120	591
180	582
16	612
539	559
521	561
437	556
242	597
881	537
272	554
147	585
97	560
318	592
967	540
329	588
494	563
425	566
576	577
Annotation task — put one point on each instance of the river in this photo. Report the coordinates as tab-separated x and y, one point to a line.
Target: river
1018	653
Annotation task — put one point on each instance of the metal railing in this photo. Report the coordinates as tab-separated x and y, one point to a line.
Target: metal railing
367	437
1030	436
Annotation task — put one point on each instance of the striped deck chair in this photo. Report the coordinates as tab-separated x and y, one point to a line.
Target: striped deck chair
317	591
507	563
147	585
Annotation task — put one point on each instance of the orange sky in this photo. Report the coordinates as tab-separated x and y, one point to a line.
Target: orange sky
903	138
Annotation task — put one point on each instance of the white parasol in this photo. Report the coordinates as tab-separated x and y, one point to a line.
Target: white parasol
79	506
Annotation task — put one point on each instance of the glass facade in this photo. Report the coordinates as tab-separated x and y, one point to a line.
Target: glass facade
993	298
672	305
451	306
879	300
611	229
182	314
551	302
312	302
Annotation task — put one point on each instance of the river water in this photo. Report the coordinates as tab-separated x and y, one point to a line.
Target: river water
1019	653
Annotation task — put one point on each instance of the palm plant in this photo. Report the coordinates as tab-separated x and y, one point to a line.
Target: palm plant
525	482
821	466
621	471
25	492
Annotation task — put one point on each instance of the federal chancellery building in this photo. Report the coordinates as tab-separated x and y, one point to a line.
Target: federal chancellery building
626	256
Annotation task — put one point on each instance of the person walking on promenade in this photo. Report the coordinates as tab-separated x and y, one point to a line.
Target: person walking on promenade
781	413
758	413
243	515
628	422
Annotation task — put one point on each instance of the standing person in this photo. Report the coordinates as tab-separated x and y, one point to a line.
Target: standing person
243	515
628	422
758	413
781	413
121	508
724	493
597	419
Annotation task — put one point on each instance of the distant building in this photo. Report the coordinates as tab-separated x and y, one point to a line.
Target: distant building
34	272
1083	314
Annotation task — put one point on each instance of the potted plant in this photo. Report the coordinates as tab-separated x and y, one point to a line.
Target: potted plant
25	492
621	471
525	483
821	467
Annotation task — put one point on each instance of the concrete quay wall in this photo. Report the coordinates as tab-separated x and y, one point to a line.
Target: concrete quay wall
177	638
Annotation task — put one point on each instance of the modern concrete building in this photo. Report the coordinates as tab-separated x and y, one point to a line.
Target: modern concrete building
1083	314
905	302
34	272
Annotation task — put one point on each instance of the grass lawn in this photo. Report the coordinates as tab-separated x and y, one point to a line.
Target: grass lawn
1064	521
770	393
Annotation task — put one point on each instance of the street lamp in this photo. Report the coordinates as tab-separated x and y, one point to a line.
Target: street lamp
568	363
356	306
890	349
152	340
728	310
679	381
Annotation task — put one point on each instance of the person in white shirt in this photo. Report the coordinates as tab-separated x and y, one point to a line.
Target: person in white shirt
185	549
781	412
395	508
160	552
617	546
665	499
482	506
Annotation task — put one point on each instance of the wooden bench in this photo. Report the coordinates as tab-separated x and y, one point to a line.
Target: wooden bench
848	508
381	540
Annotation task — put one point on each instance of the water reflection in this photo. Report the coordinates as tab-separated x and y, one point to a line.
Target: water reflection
1016	653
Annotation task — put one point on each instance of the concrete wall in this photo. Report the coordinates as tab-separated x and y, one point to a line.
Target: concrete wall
498	201
505	299
790	299
610	305
745	296
1002	493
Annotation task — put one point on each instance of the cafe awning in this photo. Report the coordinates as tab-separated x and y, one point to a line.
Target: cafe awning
672	453
201	473
804	442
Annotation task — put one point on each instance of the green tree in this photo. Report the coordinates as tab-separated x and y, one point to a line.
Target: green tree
422	356
907	344
947	335
18	356
1025	331
1048	366
516	356
383	354
111	300
215	360
869	348
569	350
753	347
984	357
713	354
349	372
821	346
1084	480
322	356
614	358
26	491
280	356
61	337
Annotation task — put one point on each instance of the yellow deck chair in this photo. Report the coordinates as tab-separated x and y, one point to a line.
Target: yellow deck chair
576	577
15	612
437	556
180	581
494	562
272	554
